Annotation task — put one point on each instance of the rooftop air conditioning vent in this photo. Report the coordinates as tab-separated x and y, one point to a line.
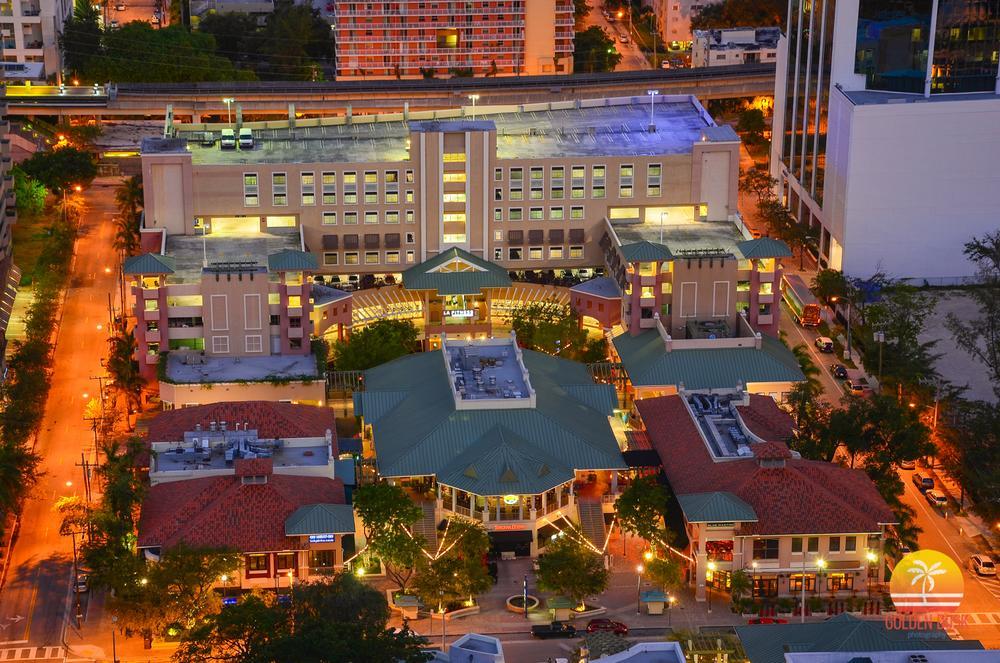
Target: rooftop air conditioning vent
918	658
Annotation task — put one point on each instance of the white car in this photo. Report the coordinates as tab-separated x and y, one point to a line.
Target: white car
825	344
983	565
936	498
227	140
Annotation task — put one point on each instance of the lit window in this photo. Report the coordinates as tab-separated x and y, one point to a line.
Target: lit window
371	257
351	258
454	197
371	218
453	217
454	157
410	256
535	253
576	252
576	213
350	178
392	257
536	214
625	192
454	177
392	217
515	213
557	213
556	252
409	216
330	258
497	235
351	218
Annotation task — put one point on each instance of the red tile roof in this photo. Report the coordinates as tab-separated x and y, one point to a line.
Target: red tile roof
802	497
771	451
765	419
272	420
225	512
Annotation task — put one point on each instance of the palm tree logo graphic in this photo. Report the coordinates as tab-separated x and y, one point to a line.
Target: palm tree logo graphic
925	576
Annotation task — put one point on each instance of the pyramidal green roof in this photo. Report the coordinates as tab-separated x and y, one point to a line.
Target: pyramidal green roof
455	272
149	263
646	251
764	247
715	507
648	363
418	430
290	260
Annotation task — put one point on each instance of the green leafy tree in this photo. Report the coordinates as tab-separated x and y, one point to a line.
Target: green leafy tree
980	337
138	52
594	51
641	508
665	572
294	42
758	181
329	621
580	10
18	474
571	569
811	437
969	452
729	13
740	584
30	193
61	169
901	316
376	344
831	284
81	37
752	125
231	31
124	368
555	329
387	514
460	571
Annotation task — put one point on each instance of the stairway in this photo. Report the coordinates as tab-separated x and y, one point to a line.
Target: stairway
592	521
426	527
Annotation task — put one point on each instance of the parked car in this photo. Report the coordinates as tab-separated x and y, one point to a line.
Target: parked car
246	139
936	498
907	464
856	386
839	371
603	625
113	24
921	482
208	139
825	344
767	620
227	139
120	7
81	586
983	565
553	630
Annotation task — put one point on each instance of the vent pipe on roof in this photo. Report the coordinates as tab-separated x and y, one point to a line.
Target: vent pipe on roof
222	425
213	426
197	426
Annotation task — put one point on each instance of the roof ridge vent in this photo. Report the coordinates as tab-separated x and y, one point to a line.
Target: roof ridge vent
508	475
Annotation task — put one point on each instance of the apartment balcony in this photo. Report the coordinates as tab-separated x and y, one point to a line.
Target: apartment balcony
294	311
30	9
150	293
766	299
151	315
419	49
294	290
8	44
417	13
153	336
766	277
184	311
186	333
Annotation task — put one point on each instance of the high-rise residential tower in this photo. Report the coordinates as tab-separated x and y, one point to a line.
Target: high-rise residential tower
886	131
410	39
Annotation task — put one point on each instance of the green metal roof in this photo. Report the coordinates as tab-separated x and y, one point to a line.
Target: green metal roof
718	507
455	272
501	462
767	643
320	519
419	431
646	251
648	363
149	263
289	260
764	247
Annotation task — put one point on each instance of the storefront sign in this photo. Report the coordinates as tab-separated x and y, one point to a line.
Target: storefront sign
461	313
510	528
322	538
510	499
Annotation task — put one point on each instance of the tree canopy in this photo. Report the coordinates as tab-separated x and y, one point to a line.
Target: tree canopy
29	192
387	513
641	508
379	342
329	621
459	571
980	337
594	51
731	13
555	329
61	169
571	569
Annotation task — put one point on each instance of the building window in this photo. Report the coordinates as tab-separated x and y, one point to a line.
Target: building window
598	192
453	177
625	171
392	257
837	582
251	191
536	213
535	253
578	172
351	258
330	218
409	195
557	193
765	549
254	343
558	172
537	175
557	213
329	188
797	545
279	189
220	344
371	257
515	214
514	253
498	236
392	216
307	183
350	178
653	191
453	157
577	193
453	217
409	216
409	177
625	191
576	213
556	252
497	214
410	238
576	252
350	218
392	197
497	194
285	562
330	258
371	198
392	177
258	565
454	197
371	218
497	254
516	194
795	583
320	560
597	172
835	544
410	256
812	544
516	175
537	194
850	544
498	174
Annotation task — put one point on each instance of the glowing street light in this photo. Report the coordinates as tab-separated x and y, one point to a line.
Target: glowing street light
638	586
229	116
474	98
711	568
648	555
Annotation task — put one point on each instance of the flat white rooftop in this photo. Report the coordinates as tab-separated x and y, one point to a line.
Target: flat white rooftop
195	368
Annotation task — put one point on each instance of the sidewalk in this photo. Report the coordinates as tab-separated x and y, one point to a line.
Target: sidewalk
970	525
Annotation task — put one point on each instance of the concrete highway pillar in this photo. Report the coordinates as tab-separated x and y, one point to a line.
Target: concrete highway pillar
291	116
239	114
348	113
406	110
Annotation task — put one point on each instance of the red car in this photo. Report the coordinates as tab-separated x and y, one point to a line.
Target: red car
606	626
767	620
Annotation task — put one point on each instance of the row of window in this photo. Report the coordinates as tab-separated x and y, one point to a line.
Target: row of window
538	253
537	213
369	217
768	548
334	258
328	188
252	343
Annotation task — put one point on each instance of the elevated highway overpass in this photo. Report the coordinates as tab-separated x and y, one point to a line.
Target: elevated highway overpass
196	102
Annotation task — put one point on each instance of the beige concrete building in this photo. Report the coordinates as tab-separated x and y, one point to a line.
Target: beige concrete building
10	275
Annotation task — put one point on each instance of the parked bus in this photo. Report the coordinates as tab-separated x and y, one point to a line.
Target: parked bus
801	300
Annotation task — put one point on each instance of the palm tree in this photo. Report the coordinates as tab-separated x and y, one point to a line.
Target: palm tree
129	198
70	207
126	239
124	368
808	368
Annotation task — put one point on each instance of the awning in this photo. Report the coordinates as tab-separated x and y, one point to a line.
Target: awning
576	235
642	458
511	536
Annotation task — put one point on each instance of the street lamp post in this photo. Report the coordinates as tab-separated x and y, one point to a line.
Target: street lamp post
441	610
662	216
638	587
708	583
114	642
474	98
229	116
670	605
871	557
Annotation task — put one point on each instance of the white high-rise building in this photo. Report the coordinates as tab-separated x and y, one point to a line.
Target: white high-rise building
887	131
30	31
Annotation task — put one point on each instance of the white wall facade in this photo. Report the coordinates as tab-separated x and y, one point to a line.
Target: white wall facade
909	184
31	32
